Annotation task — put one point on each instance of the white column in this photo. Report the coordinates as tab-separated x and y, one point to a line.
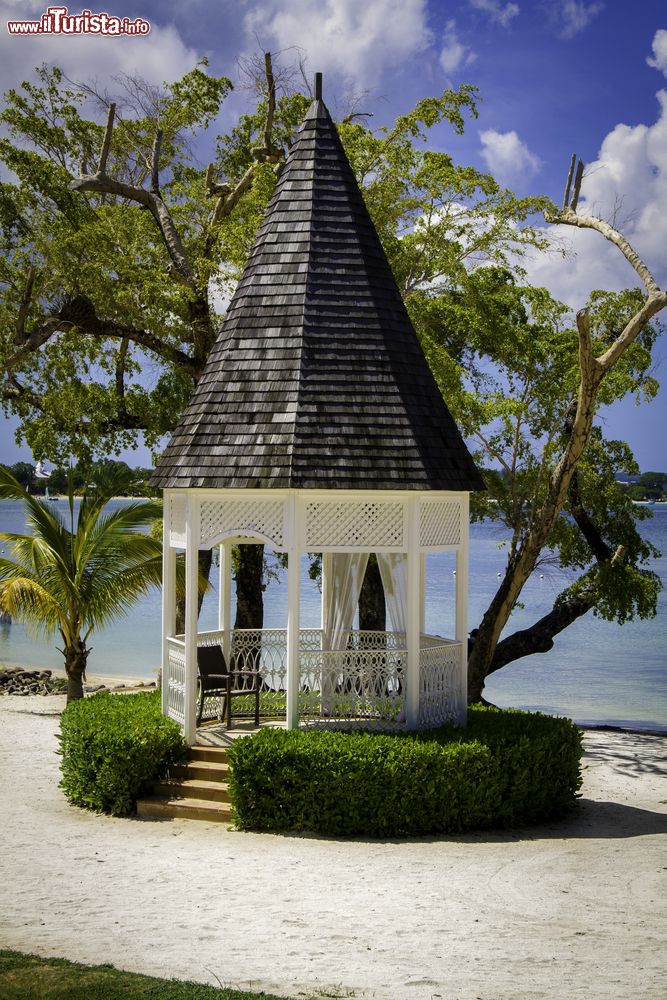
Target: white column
168	601
414	615
422	592
293	601
225	598
326	583
191	616
462	608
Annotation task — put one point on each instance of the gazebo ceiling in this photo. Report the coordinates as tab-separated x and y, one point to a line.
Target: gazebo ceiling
318	379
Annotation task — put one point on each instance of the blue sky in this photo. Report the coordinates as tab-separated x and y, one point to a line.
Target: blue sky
555	77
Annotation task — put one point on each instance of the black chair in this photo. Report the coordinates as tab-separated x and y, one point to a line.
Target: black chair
216	679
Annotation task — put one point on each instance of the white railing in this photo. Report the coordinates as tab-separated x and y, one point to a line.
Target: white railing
175	680
362	683
442	692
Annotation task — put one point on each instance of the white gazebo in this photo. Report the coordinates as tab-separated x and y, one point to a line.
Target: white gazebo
317	426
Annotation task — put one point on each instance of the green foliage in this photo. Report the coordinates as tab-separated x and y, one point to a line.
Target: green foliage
76	573
31	977
506	769
113	748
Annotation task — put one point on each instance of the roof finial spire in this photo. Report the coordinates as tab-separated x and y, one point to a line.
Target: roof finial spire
318	86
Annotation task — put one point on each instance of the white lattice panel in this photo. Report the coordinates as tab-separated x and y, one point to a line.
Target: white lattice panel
439	523
440	696
354	523
177	521
242	517
175	681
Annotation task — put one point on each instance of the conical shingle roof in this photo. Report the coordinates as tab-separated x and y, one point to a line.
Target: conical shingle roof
317	379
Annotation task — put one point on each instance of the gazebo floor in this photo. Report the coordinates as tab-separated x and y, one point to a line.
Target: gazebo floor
216	734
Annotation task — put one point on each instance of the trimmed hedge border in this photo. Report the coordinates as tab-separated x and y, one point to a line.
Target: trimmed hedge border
508	768
113	748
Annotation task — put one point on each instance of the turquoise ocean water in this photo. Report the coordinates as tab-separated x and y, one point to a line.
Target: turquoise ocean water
598	672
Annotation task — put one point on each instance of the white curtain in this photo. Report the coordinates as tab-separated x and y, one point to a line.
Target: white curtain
342	577
343	574
394	573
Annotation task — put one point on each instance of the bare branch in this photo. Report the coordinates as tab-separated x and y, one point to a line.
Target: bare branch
578	177
566	199
227	203
568	217
106	142
213	189
268	153
155	163
271	101
348	119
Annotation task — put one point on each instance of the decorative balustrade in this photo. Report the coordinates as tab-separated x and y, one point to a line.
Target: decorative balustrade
362	683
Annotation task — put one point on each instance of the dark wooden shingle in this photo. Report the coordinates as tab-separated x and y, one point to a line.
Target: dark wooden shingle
317	379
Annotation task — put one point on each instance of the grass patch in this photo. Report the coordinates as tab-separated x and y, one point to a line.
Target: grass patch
28	977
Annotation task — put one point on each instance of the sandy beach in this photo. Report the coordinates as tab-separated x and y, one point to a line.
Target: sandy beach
570	909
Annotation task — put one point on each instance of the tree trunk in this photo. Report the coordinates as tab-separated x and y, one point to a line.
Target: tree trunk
523	561
249	587
76	656
372	609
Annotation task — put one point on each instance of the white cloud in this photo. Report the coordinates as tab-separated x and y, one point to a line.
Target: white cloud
357	40
659	46
454	53
626	185
573	16
499	12
507	156
161	55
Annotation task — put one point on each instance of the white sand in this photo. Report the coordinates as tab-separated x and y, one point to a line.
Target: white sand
569	909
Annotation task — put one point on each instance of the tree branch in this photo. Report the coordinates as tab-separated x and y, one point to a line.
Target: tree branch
566	199
80	312
539	637
568	216
106	142
228	196
101	183
124	421
20	337
594	539
155	163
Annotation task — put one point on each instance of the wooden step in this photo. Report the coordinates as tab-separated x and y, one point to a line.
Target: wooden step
203	770
217	755
196	789
183	808
192	788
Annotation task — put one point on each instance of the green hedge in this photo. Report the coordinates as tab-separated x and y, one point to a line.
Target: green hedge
113	748
508	768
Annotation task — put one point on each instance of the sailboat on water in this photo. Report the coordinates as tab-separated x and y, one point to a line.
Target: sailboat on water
41	473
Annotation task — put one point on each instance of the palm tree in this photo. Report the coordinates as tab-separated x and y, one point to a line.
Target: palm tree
77	573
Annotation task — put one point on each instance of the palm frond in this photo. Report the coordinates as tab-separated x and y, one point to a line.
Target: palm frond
84	573
27	600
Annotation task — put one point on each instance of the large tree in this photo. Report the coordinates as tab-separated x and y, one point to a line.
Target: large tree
116	243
